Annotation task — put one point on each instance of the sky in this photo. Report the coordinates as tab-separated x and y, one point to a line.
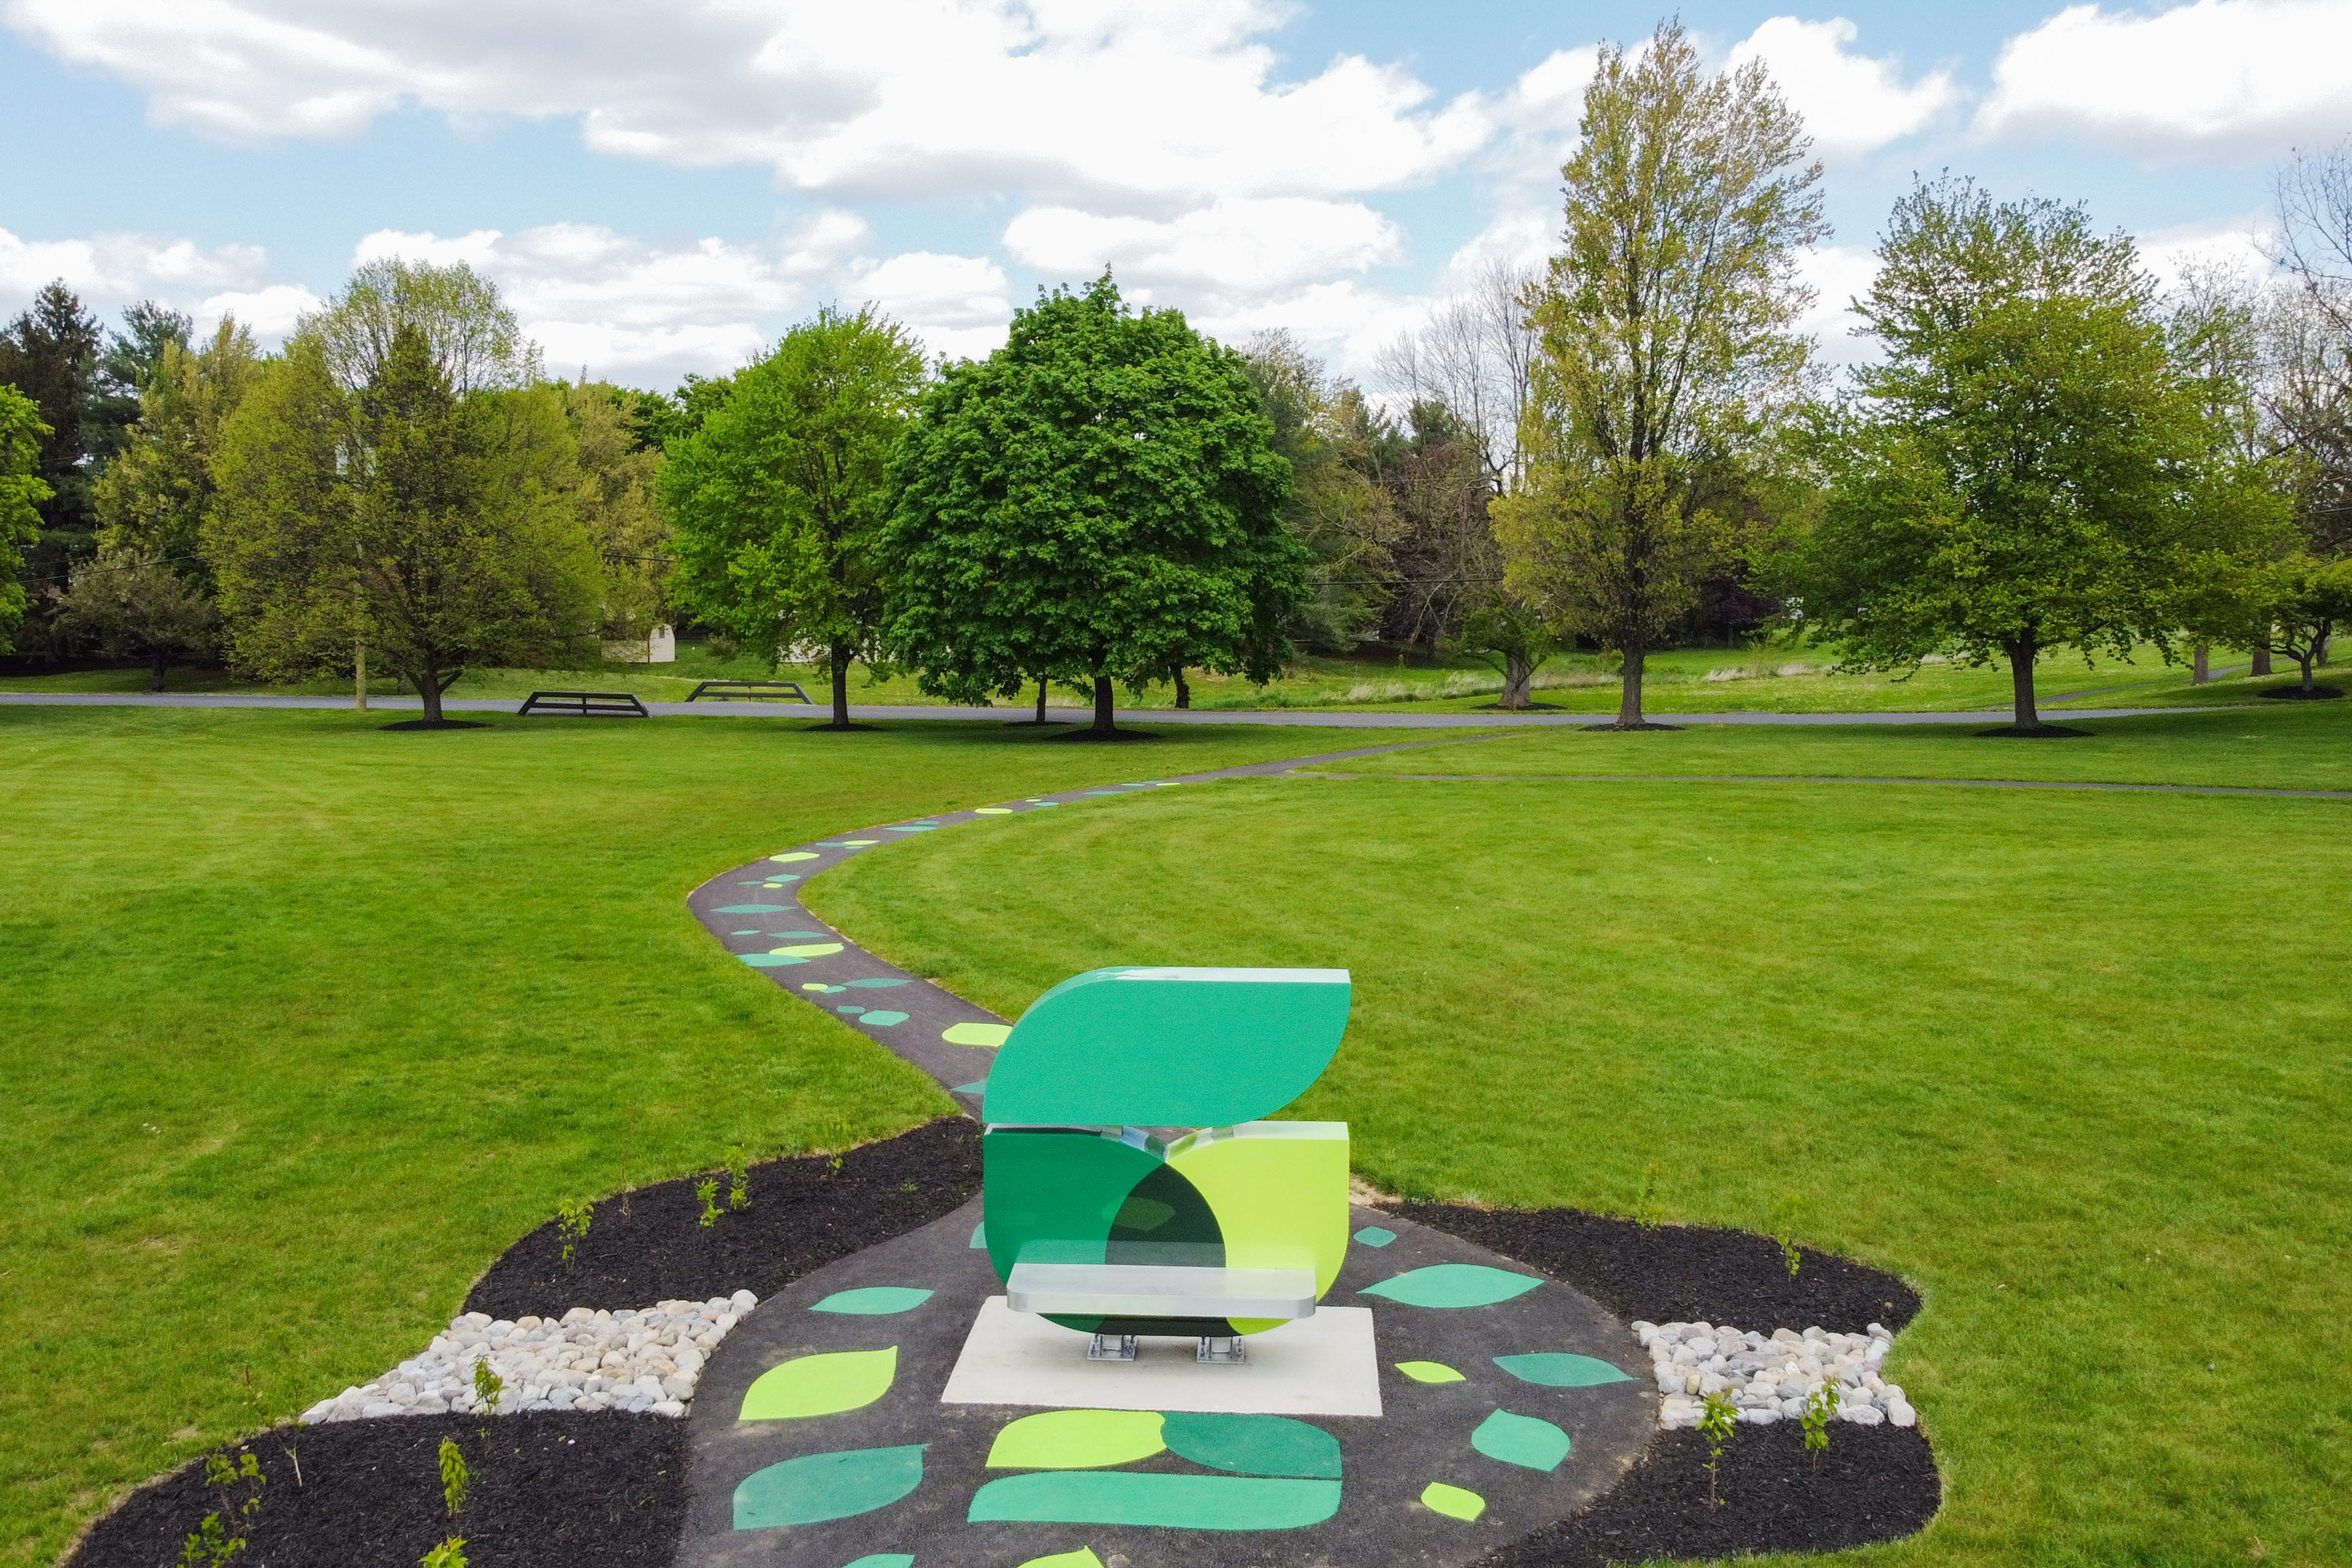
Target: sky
663	189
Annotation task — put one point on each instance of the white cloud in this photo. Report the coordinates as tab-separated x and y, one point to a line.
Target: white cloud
113	270
271	312
2240	244
1074	98
2219	80
958	305
1241	245
1853	104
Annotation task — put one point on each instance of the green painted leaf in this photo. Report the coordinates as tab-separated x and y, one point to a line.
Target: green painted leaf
821	1385
1083	1557
1428	1372
1076	1439
1454	1285
874	1301
1559	1369
885	1559
1254	1445
1158	1501
1456	1502
1524	1440
818	1487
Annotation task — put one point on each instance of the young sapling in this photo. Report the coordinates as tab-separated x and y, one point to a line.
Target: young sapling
450	1553
1784	1228
487	1386
211	1546
571	1221
707	1191
1820	1405
738	1179
453	1478
1716	1418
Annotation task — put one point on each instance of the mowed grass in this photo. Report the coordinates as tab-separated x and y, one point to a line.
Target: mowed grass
2075	1064
306	1022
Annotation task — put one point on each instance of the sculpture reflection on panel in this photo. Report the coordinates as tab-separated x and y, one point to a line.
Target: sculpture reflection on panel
1087	1161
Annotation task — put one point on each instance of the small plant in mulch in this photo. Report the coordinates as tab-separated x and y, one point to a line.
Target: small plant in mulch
738	1179
1785	1210
487	1386
240	1483
571	1221
455	1479
708	1192
450	1553
1820	1405
1716	1418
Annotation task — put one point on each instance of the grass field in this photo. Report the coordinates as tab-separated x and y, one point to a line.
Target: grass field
1682	681
306	1022
2073	1063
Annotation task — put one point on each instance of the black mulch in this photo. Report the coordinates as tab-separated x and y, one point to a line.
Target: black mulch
1683	1273
549	1489
802	1215
1877	1483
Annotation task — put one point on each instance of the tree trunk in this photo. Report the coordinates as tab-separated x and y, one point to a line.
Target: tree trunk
2323	650
1629	707
359	677
2201	665
1041	700
429	687
2021	681
1519	670
1103	725
1183	690
159	664
2306	661
2261	662
838	656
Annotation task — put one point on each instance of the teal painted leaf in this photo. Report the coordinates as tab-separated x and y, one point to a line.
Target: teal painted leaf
750	909
1375	1235
1452	1284
818	1487
885	1559
1254	1444
1157	1499
874	1301
1559	1369
1523	1440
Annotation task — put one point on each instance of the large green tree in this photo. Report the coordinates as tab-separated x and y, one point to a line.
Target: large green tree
1666	345
22	491
435	530
130	363
2026	466
132	607
1100	498
153	498
779	497
618	498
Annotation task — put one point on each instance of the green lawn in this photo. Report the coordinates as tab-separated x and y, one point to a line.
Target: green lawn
306	1022
2075	1064
1681	680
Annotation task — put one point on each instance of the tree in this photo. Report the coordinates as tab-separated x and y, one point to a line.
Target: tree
437	527
153	498
1098	497
132	361
49	353
134	607
22	491
471	337
2025	467
2290	604
1665	351
618	503
780	496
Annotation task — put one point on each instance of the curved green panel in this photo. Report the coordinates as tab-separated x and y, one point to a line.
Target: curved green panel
1058	1194
1158	1501
1452	1284
818	1487
1254	1444
1279	1190
1559	1369
1524	1440
821	1385
1168	1047
1076	1440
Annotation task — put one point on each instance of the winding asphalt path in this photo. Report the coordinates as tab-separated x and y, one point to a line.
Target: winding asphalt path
1320	718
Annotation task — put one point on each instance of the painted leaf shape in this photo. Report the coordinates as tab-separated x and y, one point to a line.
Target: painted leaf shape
818	1487
1454	1285
1525	1440
1559	1369
1456	1502
885	1559
1428	1372
874	1301
1254	1445
1083	1557
1075	1440
1157	1501
821	1385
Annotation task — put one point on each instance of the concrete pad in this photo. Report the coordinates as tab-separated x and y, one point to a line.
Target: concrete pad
1322	1365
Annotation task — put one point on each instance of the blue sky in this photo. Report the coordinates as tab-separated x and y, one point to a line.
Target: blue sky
660	189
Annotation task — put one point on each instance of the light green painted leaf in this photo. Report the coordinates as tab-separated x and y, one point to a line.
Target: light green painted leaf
821	1385
1083	1557
1454	1502
976	1034
1428	1372
1077	1439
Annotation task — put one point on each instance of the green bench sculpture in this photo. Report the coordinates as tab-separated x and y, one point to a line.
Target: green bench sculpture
1105	1216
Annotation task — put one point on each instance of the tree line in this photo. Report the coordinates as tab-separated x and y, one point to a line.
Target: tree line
2047	451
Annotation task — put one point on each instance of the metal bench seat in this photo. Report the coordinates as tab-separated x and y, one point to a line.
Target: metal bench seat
1161	1290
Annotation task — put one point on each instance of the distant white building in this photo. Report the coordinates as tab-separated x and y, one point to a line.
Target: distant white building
659	645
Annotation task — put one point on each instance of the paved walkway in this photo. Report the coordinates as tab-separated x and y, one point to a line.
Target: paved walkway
1842	779
1318	717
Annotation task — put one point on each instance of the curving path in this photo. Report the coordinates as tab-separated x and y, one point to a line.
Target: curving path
1845	779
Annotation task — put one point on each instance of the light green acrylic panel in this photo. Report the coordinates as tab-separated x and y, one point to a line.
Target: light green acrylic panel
1279	1190
1168	1047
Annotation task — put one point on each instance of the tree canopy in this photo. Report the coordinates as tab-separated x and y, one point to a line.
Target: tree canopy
152	498
1100	498
22	491
1666	345
2026	466
779	494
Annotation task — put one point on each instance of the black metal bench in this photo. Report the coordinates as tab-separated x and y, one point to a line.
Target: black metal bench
610	704
752	689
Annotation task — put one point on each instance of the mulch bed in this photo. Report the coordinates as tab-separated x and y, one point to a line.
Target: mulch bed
1876	1483
1683	1273
549	1489
803	1214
